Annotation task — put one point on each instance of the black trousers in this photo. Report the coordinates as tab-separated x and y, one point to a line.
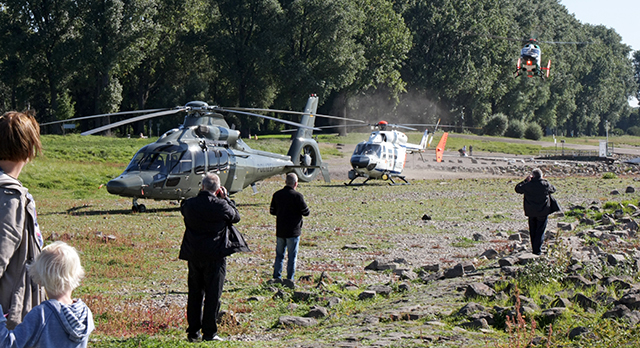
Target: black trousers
206	279
537	227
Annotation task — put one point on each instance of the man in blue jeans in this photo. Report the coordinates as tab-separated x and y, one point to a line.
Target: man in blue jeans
289	207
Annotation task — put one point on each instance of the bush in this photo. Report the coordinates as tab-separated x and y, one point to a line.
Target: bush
515	129
633	130
533	131
617	132
497	125
609	175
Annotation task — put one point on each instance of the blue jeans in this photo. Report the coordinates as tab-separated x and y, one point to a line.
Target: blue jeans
283	244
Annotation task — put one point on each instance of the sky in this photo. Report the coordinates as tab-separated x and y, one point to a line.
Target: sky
621	15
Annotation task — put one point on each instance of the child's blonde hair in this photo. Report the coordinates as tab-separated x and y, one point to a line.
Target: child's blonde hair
57	268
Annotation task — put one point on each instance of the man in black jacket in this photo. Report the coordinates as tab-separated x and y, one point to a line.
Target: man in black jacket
537	206
289	207
206	217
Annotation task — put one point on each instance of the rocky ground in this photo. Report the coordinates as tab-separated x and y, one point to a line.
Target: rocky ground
431	291
421	293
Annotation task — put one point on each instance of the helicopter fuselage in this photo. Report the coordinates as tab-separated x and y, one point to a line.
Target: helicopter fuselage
384	154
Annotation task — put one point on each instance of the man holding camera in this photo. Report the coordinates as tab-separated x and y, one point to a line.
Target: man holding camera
537	206
206	218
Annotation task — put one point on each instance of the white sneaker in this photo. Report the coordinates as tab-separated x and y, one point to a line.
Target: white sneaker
214	338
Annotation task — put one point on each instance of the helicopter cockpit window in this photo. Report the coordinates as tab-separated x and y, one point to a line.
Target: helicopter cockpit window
368	149
199	162
184	164
160	160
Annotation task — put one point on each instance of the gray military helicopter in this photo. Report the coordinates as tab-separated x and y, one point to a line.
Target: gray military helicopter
172	168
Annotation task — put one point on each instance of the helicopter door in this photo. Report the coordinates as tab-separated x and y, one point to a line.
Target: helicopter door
218	163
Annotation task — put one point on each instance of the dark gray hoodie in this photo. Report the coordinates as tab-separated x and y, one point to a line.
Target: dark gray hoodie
50	324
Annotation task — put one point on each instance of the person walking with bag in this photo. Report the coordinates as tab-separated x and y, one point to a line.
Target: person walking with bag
537	206
206	218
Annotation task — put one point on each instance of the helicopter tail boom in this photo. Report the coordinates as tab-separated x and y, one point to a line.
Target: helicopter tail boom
304	150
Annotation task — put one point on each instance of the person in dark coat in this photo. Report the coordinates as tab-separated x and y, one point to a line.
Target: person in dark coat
206	217
289	207
537	206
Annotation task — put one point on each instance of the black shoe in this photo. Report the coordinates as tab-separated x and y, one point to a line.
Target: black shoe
194	337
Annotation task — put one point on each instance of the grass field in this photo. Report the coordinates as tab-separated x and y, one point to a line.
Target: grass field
136	286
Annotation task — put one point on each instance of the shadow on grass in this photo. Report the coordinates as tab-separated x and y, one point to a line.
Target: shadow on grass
78	211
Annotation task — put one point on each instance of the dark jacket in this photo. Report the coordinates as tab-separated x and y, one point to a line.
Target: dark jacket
206	218
289	207
536	196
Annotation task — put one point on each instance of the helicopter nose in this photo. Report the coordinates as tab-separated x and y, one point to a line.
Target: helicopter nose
359	161
124	184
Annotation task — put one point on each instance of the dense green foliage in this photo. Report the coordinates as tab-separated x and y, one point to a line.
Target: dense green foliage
515	129
496	125
533	131
407	60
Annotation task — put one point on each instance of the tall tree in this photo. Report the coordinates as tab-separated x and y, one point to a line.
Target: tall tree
43	45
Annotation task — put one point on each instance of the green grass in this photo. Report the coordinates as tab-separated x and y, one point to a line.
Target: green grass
136	286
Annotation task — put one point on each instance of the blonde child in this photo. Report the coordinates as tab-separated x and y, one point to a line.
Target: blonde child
61	321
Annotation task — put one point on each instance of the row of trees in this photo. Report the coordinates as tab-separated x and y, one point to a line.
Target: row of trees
402	60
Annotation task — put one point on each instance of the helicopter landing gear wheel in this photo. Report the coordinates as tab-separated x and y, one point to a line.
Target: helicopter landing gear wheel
385	176
309	156
138	208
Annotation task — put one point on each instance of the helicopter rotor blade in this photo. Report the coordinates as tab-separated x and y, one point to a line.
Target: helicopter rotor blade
295	124
101	115
134	119
297	113
567	42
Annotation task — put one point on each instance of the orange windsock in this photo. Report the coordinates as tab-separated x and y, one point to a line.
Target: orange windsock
440	148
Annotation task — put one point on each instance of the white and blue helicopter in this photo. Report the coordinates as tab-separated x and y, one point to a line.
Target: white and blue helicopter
384	154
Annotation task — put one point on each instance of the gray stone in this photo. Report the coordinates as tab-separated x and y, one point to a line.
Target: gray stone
617	312
435	267
475	324
333	301
483	315
631	299
287	320
317	312
454	272
475	290
566	226
469	309
302	295
404	286
585	302
629	189
490	254
526	258
516	237
553	313
478	237
508	261
614	259
577	332
579	281
405	274
380	289
367	294
561	302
